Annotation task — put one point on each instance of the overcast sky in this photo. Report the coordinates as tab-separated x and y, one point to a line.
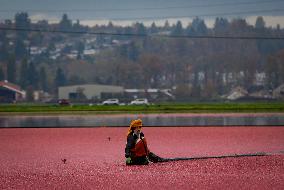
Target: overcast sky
130	11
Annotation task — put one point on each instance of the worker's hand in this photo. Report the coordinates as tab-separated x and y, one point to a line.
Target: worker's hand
128	161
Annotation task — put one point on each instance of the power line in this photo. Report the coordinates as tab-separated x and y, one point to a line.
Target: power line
201	15
145	8
146	35
170	17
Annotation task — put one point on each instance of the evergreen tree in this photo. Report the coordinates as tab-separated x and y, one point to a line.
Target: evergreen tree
198	27
80	47
140	28
42	24
110	25
3	46
259	23
24	74
65	23
221	24
20	49
100	39
167	25
60	79
11	69
32	76
77	26
264	46
75	80
178	31
133	51
30	93
153	28
2	77
80	94
22	21
8	22
42	79
239	25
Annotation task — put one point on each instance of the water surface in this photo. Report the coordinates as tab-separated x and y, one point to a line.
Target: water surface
261	119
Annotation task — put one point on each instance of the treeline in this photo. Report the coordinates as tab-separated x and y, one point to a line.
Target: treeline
199	67
192	67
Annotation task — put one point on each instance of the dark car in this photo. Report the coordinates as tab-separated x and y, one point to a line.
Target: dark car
63	102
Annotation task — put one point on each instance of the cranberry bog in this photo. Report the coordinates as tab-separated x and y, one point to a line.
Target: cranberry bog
93	158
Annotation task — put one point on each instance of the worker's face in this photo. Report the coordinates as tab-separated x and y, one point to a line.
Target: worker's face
137	130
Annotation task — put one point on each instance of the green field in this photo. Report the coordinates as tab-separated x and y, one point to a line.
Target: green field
6	109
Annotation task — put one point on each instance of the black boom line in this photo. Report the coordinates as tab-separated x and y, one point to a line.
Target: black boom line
146	35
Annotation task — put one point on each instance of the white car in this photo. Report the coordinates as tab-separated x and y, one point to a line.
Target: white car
142	101
111	102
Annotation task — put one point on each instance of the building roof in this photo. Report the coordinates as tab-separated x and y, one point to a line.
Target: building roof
237	93
151	90
279	91
11	86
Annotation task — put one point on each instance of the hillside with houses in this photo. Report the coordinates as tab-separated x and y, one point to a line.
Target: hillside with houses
182	63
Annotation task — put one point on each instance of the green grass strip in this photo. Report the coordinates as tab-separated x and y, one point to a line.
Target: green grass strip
158	108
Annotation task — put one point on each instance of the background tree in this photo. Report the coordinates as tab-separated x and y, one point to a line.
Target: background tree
198	27
76	80
20	49
43	79
78	27
22	21
2	76
32	76
4	55
60	79
65	23
274	69
129	74
30	93
11	69
153	28
80	47
133	51
42	24
139	28
177	30
152	70
167	25
239	26
80	94
221	25
259	23
183	92
23	80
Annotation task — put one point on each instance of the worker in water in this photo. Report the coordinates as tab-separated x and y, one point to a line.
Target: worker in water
136	150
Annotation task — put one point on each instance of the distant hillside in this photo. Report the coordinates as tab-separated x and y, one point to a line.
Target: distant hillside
194	60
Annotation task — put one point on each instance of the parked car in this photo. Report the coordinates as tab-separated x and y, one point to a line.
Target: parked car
111	102
141	101
63	102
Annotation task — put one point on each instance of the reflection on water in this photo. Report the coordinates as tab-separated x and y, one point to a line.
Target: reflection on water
148	120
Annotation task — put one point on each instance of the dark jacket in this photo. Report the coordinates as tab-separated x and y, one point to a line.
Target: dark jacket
131	146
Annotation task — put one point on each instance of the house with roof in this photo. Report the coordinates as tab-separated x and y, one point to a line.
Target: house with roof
151	94
278	92
236	93
10	93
